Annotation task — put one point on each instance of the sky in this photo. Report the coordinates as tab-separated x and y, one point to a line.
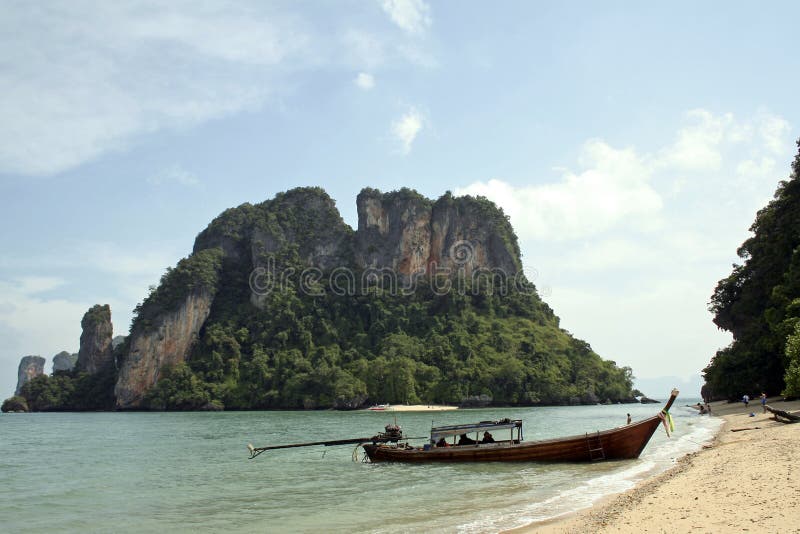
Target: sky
631	144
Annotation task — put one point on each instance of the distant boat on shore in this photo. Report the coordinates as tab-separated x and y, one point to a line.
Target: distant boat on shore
378	407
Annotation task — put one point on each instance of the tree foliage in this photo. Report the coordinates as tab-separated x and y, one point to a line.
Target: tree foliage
759	302
340	350
298	349
792	377
198	272
178	389
72	390
16	403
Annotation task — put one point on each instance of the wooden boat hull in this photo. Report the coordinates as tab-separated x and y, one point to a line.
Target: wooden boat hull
621	443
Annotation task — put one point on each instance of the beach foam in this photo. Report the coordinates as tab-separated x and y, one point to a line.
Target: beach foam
732	485
691	433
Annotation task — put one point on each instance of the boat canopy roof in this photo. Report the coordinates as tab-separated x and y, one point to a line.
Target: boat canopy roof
456	430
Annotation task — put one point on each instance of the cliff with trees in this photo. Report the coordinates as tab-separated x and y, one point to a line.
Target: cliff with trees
759	303
282	305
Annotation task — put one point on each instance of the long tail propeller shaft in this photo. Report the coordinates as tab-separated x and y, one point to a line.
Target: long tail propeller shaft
255	451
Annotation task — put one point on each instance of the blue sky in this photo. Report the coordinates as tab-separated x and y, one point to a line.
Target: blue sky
631	144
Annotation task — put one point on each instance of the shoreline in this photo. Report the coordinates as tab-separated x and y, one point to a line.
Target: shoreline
729	484
413	408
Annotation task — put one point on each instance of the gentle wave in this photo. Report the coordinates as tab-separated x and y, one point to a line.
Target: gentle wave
692	432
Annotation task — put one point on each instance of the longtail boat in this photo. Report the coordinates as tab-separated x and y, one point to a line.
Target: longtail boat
621	443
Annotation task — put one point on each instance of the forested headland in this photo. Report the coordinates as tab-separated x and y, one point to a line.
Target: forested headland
759	303
281	305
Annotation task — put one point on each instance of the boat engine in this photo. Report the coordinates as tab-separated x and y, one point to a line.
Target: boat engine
392	433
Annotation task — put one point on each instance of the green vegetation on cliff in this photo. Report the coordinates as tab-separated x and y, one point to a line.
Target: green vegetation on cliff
299	319
759	303
16	403
74	390
71	391
302	343
198	272
333	350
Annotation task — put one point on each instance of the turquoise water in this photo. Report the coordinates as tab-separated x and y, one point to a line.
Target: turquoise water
151	472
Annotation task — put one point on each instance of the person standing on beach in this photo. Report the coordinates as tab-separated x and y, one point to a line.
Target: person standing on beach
764	402
746	400
629	418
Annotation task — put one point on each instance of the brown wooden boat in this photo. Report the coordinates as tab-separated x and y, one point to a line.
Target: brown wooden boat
622	443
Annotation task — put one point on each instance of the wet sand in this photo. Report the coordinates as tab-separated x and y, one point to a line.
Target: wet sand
748	480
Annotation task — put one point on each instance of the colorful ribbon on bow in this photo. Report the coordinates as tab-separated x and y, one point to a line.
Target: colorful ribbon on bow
666	419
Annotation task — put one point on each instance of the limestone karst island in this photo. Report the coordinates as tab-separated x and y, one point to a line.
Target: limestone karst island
283	305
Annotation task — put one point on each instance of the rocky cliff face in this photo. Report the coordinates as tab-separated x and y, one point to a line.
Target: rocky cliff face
400	230
409	234
29	367
394	232
168	342
472	234
64	361
96	351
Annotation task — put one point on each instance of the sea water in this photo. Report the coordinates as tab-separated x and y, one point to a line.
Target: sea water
180	472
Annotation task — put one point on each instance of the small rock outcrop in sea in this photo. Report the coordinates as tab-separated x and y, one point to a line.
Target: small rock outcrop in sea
475	401
64	361
351	403
15	404
29	368
96	351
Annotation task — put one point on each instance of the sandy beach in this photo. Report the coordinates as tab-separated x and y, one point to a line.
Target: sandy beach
416	408
745	480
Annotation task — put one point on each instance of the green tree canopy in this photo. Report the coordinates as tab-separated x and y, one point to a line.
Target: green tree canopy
759	302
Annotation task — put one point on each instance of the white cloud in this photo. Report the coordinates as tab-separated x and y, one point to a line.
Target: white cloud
406	128
774	132
364	49
613	188
764	167
82	79
705	143
618	286
30	285
174	174
619	188
697	147
412	16
365	81
601	255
